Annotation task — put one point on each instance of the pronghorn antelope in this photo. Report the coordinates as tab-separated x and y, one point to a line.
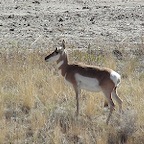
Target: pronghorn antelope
87	77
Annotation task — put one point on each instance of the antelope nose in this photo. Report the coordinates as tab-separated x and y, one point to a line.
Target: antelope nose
46	59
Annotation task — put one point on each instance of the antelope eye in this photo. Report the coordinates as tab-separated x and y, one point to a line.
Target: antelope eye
56	51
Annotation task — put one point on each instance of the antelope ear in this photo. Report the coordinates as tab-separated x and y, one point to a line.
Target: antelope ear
63	44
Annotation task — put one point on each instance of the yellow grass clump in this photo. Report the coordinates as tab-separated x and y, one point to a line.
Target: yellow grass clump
37	107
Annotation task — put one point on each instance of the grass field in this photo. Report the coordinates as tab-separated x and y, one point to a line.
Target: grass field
36	106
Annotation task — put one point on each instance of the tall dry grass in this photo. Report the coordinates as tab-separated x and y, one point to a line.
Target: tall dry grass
37	107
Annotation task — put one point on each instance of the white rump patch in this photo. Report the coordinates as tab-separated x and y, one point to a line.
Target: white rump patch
115	77
87	83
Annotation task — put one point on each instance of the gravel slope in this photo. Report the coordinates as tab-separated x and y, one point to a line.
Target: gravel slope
39	23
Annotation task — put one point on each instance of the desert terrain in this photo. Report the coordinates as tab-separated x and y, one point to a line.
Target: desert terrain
36	23
36	106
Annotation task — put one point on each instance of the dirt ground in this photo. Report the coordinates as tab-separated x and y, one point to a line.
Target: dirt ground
40	23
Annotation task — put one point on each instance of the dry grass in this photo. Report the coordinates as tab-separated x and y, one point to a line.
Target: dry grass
37	107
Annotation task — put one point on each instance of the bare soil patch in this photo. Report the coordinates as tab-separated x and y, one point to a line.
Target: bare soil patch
40	23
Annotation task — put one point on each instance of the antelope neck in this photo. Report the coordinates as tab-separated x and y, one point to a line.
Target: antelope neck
62	64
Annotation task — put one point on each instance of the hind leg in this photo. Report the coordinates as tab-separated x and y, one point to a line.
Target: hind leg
107	94
111	104
116	97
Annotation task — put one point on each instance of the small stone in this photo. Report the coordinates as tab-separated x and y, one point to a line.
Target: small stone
60	20
36	2
16	7
11	29
92	18
11	16
85	7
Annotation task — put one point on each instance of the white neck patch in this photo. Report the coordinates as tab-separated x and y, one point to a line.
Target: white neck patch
60	64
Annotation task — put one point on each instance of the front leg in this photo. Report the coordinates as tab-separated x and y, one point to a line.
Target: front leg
77	92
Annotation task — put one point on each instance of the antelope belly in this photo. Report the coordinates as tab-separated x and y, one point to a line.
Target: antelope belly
87	83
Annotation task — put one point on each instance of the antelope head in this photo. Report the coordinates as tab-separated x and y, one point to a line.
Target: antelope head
56	54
